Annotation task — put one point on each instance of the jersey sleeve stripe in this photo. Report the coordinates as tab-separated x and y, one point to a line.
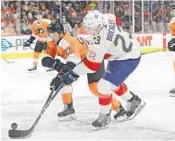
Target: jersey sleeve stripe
107	56
91	65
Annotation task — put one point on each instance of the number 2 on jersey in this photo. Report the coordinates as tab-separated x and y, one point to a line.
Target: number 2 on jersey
120	37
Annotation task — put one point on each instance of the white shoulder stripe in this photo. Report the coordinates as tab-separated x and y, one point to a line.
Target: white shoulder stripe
172	20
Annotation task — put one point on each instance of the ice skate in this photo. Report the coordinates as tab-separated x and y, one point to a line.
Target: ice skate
134	106
67	114
172	92
120	112
102	121
33	68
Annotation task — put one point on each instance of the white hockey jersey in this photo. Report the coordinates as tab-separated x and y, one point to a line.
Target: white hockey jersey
112	43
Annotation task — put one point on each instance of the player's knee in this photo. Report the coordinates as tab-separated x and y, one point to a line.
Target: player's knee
93	88
105	87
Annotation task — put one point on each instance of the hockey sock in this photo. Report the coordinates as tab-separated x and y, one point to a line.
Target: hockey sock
93	89
105	103
66	98
66	94
115	104
35	56
123	92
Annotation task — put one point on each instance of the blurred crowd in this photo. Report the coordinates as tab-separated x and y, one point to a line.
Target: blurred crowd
18	16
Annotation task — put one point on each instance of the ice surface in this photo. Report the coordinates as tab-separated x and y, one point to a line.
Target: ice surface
24	93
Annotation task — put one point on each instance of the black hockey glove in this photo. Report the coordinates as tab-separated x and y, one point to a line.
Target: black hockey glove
51	63
28	42
68	66
171	45
69	77
56	81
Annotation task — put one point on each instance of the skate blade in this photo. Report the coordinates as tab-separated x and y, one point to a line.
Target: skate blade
49	70
138	109
99	128
67	118
172	95
31	71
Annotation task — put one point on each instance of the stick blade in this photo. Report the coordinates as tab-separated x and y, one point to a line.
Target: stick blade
19	133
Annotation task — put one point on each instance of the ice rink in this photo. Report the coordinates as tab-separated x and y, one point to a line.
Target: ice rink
24	93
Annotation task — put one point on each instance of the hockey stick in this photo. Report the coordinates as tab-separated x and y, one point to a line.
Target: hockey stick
8	61
13	133
27	133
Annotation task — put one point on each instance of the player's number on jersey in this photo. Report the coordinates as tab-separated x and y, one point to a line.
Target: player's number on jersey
124	47
97	40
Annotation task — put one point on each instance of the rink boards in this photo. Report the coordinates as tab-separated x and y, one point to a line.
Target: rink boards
11	46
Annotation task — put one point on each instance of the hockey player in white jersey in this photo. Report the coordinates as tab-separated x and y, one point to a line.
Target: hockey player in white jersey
171	47
110	42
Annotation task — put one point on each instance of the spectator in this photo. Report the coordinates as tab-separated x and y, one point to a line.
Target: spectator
75	30
66	25
9	30
157	14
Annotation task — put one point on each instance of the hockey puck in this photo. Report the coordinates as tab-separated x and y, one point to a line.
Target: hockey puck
14	126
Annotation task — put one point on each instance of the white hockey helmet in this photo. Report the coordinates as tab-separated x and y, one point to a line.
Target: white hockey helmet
93	22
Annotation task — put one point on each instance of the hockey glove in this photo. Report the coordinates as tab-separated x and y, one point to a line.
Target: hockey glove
69	77
171	45
28	42
68	66
57	81
51	63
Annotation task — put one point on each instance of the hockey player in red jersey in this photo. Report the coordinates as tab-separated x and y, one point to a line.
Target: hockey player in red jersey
109	41
171	46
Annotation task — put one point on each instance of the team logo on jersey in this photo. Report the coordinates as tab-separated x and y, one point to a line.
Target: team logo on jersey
92	55
40	31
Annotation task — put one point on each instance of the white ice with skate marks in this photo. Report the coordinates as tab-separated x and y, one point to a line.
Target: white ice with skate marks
24	93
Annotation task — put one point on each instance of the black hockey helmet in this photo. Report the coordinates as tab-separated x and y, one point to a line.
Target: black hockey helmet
56	27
